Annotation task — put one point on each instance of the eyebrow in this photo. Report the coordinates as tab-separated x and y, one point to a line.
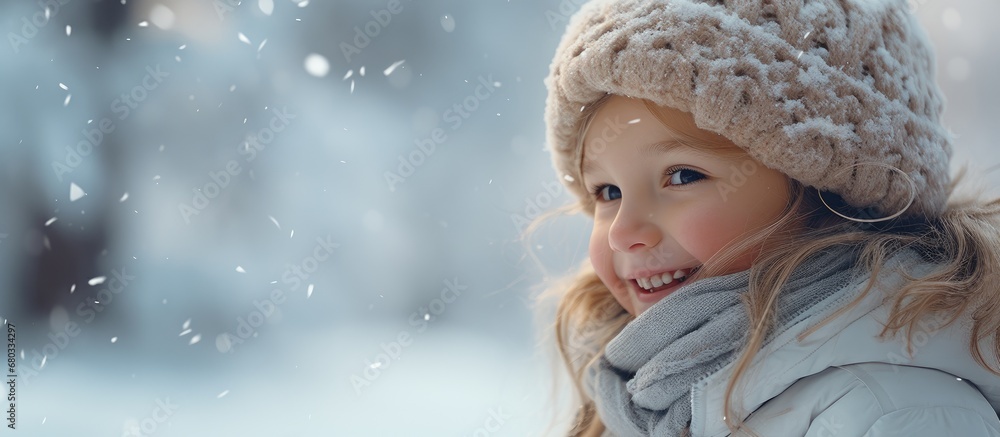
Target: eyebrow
644	151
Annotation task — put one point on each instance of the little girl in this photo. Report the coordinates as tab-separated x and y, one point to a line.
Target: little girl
771	202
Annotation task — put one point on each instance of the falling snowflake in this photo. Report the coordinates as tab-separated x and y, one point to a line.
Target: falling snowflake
392	67
448	23
75	192
317	65
266	6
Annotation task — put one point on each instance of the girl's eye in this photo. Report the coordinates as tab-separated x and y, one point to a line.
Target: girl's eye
678	176
675	174
599	192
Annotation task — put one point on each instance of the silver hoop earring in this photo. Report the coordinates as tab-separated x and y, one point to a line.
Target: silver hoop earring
913	194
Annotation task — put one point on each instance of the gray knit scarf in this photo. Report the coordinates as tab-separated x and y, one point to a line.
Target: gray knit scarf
641	385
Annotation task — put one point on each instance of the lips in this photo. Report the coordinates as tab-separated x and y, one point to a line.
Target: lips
653	281
658	293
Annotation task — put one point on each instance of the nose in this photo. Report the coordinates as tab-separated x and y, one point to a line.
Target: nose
634	227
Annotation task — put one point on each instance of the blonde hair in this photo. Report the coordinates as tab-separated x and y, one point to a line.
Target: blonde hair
963	241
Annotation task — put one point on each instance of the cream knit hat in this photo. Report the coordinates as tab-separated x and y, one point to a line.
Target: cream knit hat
808	88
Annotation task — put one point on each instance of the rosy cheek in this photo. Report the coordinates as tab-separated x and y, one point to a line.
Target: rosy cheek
705	230
596	251
709	227
601	258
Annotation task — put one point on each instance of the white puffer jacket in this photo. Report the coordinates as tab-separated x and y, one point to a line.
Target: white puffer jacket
843	381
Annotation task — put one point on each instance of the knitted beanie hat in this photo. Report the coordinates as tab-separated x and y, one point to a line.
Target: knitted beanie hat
806	88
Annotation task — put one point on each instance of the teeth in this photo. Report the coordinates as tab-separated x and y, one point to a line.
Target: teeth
666	278
658	280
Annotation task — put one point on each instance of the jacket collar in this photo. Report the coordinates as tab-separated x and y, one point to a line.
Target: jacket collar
850	338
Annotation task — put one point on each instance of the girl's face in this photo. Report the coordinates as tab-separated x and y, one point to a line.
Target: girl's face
662	206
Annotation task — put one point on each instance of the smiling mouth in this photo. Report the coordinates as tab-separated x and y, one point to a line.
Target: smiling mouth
673	284
655	290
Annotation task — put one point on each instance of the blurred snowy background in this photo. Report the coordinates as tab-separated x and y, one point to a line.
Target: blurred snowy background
297	218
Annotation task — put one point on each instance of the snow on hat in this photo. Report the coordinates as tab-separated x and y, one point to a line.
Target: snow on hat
806	88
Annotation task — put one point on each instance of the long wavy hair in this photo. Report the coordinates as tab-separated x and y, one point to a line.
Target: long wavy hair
963	242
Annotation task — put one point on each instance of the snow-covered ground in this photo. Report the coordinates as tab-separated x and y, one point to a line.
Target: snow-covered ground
445	382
